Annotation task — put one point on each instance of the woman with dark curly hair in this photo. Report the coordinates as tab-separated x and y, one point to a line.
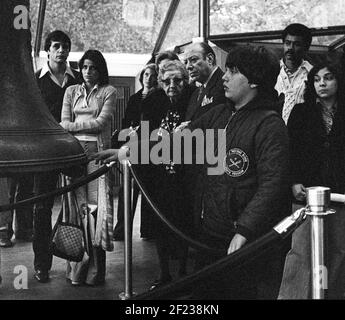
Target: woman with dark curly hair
317	144
87	113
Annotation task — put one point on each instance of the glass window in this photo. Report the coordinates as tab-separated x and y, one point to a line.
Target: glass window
184	26
238	16
117	26
317	40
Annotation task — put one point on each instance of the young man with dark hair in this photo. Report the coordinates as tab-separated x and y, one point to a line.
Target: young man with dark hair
56	75
53	80
294	69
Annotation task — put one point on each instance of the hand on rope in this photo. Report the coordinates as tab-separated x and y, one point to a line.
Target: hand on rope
111	155
106	156
237	242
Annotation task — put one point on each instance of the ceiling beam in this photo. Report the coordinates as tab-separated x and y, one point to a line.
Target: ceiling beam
165	27
40	23
272	35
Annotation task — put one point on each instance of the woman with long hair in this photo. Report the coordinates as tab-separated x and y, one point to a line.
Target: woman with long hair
317	143
87	113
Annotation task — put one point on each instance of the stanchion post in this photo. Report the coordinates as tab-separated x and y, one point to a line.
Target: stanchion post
318	200
128	231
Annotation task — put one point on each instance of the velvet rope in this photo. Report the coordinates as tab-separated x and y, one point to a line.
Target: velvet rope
193	243
78	183
231	262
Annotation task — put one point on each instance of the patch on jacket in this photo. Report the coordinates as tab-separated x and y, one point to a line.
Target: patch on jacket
236	162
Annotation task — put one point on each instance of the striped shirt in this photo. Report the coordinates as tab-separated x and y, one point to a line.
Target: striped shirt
328	114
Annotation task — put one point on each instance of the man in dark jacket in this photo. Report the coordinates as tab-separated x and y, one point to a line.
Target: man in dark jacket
202	66
250	195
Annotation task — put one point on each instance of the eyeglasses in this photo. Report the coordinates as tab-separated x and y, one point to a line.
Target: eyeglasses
176	81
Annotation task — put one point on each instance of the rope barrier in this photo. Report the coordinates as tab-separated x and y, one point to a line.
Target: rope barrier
236	260
193	243
78	183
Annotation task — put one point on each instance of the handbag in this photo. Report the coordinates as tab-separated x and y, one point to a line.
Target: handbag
68	239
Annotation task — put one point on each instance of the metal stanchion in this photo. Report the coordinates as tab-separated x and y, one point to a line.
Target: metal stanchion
128	294
318	200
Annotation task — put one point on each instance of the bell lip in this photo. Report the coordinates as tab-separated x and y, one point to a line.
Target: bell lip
41	165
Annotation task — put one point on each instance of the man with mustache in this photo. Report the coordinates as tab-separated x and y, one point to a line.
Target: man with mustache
293	68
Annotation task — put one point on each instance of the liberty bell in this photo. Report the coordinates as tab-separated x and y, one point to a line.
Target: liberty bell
30	138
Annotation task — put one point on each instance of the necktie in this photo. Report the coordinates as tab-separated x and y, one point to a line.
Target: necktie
201	92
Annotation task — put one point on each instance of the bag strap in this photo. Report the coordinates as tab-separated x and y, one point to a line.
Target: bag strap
58	221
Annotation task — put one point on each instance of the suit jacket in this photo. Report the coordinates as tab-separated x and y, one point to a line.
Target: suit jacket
211	96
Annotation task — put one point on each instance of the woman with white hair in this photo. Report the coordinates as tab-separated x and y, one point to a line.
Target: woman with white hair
167	188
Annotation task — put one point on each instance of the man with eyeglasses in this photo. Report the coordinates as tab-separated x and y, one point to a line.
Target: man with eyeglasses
294	69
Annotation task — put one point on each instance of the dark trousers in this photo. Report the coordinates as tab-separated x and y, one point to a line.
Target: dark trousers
146	212
119	230
21	188
225	285
43	183
258	279
193	185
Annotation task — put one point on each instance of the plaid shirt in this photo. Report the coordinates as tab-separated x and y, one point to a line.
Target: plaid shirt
292	85
328	115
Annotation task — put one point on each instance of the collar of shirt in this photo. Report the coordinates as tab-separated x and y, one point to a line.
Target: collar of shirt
46	69
326	110
87	96
304	65
209	78
95	88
